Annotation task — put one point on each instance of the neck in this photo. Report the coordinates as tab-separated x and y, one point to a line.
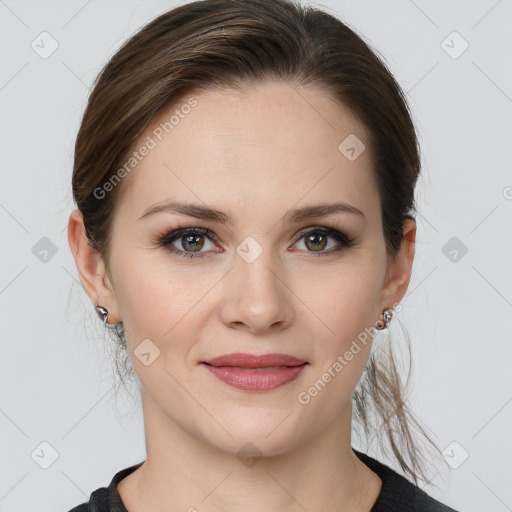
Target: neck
183	472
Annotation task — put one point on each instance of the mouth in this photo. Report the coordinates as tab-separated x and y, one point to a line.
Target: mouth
256	373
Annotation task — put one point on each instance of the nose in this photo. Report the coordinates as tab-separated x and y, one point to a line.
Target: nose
258	297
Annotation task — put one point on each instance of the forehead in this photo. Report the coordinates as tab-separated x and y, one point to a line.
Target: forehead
270	144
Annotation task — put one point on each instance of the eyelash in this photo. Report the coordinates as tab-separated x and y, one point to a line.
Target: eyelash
167	239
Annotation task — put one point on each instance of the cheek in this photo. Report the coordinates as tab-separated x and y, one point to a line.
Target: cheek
166	302
158	311
343	304
342	343
155	290
342	300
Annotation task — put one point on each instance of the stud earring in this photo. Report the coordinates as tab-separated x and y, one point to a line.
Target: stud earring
387	315
102	313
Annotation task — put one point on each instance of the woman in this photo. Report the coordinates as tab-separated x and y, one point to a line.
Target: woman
244	175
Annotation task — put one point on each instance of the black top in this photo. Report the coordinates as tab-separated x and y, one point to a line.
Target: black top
396	495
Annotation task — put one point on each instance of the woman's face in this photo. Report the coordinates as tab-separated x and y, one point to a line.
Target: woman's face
257	283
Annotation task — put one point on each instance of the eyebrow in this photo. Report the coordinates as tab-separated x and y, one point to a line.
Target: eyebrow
207	213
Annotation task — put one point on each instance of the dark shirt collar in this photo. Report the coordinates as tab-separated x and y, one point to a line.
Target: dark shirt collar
397	493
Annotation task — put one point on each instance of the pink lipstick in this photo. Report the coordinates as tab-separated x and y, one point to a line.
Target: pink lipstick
256	373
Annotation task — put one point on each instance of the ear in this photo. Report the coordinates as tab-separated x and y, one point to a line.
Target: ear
91	268
398	274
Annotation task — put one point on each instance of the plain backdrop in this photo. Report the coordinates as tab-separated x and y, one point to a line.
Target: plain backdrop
453	59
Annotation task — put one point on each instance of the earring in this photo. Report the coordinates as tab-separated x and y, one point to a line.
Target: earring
387	315
102	313
119	327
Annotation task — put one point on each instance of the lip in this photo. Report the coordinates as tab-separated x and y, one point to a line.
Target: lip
256	373
256	379
242	360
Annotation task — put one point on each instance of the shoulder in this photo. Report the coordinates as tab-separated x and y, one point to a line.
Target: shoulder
107	499
399	494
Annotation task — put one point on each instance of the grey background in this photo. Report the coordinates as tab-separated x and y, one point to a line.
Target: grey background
56	372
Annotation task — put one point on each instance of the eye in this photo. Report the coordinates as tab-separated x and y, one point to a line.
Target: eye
316	240
188	242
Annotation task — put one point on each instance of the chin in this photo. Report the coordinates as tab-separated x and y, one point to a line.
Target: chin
255	441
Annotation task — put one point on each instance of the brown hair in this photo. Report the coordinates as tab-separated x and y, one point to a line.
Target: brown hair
239	43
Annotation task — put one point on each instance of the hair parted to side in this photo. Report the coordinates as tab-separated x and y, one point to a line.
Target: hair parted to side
240	43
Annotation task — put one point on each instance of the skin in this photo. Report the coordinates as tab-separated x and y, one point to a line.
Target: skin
254	154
